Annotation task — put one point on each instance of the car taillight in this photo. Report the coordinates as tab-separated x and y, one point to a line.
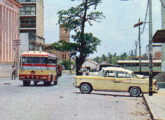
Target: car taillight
155	83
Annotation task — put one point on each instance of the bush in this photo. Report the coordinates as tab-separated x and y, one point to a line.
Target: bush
67	64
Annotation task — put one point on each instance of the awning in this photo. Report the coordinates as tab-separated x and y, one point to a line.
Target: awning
159	36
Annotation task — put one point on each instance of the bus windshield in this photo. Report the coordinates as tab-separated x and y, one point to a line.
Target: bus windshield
34	60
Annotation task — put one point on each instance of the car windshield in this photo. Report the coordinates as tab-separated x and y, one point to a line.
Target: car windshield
134	75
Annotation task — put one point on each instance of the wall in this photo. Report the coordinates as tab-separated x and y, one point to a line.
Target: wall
24	38
9	29
40	18
64	35
5	70
89	63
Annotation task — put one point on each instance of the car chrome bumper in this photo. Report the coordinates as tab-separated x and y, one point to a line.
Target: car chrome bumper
155	89
75	85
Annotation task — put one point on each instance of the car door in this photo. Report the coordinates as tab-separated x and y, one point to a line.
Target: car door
121	82
106	82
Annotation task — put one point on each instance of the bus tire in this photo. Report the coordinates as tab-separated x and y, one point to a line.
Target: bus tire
35	83
55	82
26	83
47	83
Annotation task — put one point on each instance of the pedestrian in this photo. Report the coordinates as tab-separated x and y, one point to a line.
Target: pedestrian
13	76
59	72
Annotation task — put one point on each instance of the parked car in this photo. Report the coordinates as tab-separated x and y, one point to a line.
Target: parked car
115	79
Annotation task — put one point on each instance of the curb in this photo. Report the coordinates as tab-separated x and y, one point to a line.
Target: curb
5	77
152	118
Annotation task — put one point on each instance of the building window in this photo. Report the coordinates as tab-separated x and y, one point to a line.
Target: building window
29	9
28	22
26	0
64	56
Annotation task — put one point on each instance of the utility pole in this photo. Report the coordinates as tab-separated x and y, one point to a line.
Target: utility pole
136	44
139	38
150	48
140	59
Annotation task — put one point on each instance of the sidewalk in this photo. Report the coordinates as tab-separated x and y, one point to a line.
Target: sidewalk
4	76
156	104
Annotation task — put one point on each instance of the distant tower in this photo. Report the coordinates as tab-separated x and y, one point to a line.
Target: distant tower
64	34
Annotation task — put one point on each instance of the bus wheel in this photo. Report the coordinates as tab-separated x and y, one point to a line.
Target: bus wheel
26	83
35	83
47	83
55	82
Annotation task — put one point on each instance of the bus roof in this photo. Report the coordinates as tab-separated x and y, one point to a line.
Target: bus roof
137	61
38	54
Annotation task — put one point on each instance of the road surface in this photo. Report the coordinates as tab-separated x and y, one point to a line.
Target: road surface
64	102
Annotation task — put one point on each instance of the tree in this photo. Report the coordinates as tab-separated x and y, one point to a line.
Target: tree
104	58
123	56
64	46
75	19
109	58
97	59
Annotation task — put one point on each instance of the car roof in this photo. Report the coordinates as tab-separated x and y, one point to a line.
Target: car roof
116	69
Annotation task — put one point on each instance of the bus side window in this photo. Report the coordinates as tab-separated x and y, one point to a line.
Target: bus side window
44	60
51	61
24	60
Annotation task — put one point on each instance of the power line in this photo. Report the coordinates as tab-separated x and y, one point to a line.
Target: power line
162	3
145	17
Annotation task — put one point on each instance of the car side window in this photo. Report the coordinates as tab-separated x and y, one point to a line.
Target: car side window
123	75
110	74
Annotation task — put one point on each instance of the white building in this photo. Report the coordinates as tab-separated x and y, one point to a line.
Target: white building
90	64
156	50
24	42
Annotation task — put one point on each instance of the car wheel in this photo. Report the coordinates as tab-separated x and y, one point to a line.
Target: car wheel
135	91
86	88
26	83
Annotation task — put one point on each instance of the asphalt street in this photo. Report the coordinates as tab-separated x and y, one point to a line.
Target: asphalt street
64	102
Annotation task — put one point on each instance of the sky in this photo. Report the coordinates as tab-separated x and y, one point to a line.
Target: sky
116	30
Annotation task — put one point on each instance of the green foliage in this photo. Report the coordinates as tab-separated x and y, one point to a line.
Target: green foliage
112	58
90	43
104	58
67	64
64	46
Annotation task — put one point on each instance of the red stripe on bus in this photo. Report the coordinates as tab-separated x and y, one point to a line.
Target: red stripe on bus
39	65
34	55
33	75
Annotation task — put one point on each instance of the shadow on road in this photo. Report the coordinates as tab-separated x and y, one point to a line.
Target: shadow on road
103	94
40	85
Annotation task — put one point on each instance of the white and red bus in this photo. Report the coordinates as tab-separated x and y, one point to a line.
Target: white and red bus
38	66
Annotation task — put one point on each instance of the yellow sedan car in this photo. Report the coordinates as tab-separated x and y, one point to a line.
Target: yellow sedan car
115	79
